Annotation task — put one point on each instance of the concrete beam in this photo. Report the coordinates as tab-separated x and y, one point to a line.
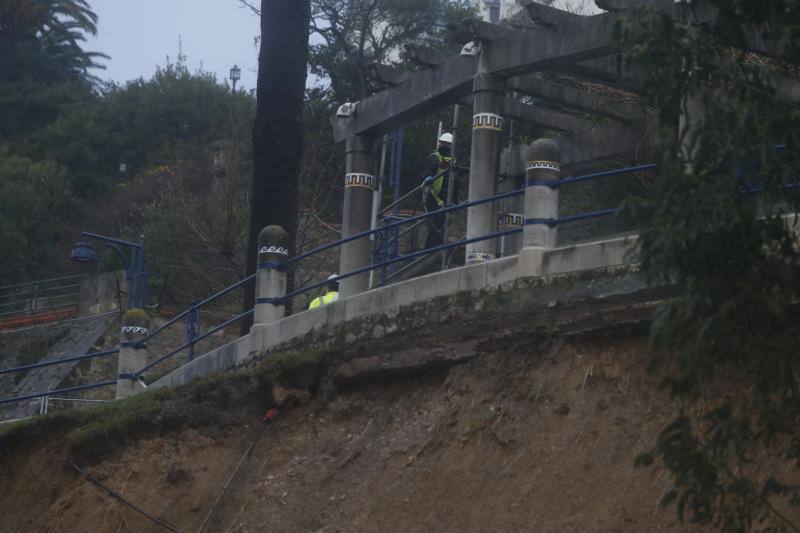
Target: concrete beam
602	69
575	98
424	55
587	38
619	5
387	74
608	71
583	39
423	92
539	116
545	118
477	30
547	16
604	143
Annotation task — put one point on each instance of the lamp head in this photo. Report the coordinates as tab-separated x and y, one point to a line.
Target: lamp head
236	73
84	252
347	109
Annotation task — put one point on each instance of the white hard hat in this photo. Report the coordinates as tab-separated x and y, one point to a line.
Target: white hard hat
446	138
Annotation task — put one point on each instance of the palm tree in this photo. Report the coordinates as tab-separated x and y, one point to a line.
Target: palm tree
41	40
278	128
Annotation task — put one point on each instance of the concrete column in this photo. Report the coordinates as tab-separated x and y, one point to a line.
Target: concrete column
132	351
487	128
541	201
359	183
270	281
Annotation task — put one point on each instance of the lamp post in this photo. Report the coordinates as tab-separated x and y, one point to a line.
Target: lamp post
84	252
235	75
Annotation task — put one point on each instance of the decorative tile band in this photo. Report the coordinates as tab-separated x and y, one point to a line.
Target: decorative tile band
513	220
487	121
479	257
135	329
543	164
359	180
280	250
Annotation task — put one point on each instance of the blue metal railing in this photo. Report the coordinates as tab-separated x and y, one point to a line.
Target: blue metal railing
191	314
211	331
58	361
390	232
387	231
293	260
40	296
57	391
597	175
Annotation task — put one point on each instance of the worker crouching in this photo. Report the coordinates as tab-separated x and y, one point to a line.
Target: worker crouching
329	297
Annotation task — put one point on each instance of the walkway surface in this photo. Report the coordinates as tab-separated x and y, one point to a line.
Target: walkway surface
82	335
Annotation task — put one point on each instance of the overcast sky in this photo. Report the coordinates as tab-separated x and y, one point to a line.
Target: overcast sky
140	34
216	34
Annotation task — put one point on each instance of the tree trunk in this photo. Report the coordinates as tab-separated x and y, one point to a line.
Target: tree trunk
278	129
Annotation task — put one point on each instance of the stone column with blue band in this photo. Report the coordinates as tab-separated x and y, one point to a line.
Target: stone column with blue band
132	351
487	141
270	277
359	184
541	194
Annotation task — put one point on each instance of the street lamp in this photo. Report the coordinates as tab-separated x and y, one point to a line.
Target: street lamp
84	252
235	75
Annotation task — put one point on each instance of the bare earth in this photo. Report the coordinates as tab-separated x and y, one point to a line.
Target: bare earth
529	435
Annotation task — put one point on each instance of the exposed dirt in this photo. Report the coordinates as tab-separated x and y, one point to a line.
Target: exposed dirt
530	435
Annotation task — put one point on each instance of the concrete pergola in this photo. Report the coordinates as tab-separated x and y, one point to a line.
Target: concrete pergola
497	65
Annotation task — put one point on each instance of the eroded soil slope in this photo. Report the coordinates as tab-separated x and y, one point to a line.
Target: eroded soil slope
531	434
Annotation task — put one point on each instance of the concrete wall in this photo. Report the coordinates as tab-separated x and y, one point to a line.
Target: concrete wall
227	356
375	313
99	293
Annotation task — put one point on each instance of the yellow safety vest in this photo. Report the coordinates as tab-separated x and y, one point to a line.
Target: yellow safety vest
325	299
438	181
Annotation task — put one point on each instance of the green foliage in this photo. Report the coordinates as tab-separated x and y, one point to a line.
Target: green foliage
732	253
355	34
94	431
106	427
41	41
34	195
153	120
195	221
73	140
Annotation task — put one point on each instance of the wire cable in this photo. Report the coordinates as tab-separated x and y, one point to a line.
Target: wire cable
119	497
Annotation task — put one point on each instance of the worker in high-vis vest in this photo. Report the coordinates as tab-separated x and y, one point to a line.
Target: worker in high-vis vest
329	297
434	188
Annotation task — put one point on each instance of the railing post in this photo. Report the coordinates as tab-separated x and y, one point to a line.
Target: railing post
487	128
359	184
192	327
132	351
541	198
510	243
270	280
